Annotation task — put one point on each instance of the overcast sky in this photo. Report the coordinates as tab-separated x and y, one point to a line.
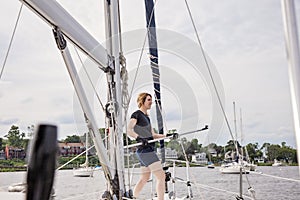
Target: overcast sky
243	39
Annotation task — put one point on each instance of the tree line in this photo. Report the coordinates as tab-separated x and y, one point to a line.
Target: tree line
16	138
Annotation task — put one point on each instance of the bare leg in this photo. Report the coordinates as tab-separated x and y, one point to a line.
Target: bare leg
143	180
159	174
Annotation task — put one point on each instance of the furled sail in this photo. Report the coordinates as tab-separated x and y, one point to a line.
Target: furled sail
150	17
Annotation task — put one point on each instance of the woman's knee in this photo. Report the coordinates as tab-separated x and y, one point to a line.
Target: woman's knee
145	178
160	175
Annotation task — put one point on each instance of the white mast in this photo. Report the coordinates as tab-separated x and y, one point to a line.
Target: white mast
292	49
113	46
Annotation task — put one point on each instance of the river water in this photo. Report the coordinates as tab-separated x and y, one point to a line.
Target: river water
207	184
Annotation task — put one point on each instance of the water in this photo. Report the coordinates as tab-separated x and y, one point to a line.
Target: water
207	184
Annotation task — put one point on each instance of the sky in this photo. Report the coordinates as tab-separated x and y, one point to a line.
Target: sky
243	42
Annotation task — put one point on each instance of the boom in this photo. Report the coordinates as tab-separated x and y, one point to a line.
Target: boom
56	16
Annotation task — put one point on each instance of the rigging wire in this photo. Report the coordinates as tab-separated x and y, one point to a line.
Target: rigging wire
278	177
207	65
141	53
139	65
90	80
212	79
11	40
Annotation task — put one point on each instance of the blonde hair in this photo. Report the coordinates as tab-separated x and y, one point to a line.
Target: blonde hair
142	98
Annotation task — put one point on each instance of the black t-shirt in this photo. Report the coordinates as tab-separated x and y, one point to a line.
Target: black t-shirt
143	125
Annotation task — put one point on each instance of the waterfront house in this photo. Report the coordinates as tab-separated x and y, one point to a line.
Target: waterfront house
70	149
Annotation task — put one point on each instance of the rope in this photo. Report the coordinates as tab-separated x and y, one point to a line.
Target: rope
11	40
75	157
278	177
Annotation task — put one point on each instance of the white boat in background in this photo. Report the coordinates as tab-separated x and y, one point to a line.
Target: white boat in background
234	168
84	170
277	163
251	166
235	163
248	163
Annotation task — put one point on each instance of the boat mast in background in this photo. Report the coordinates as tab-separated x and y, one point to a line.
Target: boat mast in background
293	56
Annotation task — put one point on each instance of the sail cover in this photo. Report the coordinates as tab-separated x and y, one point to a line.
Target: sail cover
150	17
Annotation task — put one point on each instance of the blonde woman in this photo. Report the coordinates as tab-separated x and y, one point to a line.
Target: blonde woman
140	128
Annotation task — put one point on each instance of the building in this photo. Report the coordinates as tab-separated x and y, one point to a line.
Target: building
70	149
199	158
14	153
169	153
2	155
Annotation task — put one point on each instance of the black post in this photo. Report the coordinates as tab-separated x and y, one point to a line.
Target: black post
42	163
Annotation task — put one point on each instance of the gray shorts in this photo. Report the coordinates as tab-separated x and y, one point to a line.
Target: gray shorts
146	156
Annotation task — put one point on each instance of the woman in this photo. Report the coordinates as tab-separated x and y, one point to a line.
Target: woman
140	128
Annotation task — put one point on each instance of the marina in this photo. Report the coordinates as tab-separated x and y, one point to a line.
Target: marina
207	184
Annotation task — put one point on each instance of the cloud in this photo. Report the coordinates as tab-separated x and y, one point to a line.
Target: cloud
66	119
10	121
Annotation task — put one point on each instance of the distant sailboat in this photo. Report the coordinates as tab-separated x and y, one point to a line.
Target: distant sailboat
247	161
236	165
277	163
84	170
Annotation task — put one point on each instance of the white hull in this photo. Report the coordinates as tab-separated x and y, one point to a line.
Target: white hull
234	168
83	172
277	163
252	167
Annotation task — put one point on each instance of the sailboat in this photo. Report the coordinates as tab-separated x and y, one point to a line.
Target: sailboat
251	165
109	61
247	161
236	164
84	170
277	163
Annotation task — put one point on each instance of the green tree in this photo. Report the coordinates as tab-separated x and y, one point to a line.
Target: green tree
30	131
252	150
231	145
287	153
273	152
72	139
15	138
195	146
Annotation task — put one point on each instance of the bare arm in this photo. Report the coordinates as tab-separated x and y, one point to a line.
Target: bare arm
156	135
130	127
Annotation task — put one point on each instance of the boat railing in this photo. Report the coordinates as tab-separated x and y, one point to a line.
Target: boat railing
170	177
